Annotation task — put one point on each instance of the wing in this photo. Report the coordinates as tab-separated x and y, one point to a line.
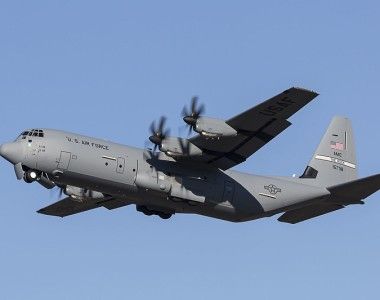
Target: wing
69	206
256	127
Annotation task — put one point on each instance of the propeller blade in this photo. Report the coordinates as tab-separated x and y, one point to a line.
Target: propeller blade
185	112
194	102
60	192
161	125
201	110
152	127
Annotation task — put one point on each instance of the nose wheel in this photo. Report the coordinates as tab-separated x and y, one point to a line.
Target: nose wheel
30	176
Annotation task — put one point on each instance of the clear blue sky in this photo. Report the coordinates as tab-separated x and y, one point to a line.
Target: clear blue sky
108	68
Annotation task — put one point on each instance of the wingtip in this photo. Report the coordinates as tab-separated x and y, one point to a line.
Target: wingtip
42	211
305	90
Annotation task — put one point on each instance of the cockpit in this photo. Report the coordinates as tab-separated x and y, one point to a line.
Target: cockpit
32	132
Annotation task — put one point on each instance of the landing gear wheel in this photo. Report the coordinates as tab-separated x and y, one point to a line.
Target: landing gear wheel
164	216
30	176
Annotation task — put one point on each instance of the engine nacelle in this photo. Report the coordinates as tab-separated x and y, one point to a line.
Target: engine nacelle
177	147
81	193
213	128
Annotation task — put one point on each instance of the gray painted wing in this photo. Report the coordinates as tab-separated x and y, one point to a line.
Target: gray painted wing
256	127
301	214
69	206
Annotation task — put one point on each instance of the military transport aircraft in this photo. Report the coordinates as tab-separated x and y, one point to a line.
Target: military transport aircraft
193	175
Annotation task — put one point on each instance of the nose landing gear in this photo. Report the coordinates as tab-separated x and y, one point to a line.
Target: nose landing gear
30	176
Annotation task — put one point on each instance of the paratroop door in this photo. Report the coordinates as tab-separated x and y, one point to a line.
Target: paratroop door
229	191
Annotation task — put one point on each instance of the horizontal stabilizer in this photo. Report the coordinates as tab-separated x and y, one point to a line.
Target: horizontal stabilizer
356	190
341	195
311	211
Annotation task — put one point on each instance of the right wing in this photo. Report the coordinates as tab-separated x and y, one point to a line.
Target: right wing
256	127
69	206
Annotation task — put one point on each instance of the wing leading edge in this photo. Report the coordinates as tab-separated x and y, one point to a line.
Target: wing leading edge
256	127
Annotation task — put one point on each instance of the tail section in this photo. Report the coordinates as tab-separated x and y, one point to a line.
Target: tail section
333	166
334	161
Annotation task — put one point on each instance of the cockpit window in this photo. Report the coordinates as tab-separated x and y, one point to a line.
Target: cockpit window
33	132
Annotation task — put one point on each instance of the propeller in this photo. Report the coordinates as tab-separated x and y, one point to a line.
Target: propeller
190	115
185	146
57	190
158	132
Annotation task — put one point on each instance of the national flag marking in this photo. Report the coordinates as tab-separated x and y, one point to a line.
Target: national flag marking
337	146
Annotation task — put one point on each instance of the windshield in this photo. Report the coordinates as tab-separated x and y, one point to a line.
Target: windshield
33	132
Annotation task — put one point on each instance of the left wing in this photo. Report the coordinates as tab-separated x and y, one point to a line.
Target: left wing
69	206
256	127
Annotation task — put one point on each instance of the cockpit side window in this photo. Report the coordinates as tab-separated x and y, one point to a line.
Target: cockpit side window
23	135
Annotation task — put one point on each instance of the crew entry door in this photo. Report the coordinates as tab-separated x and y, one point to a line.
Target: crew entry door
64	160
127	167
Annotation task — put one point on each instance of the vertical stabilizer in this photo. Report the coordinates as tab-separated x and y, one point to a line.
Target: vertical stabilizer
334	162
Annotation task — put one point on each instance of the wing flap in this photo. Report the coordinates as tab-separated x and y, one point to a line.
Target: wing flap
308	212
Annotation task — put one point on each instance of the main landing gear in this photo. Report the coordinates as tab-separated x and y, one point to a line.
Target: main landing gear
148	212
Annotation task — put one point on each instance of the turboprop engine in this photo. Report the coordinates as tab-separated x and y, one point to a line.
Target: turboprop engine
213	128
82	193
207	127
177	147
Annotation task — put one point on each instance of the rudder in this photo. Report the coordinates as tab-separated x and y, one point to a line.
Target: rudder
334	161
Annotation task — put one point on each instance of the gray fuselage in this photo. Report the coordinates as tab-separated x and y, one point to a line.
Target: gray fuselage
159	183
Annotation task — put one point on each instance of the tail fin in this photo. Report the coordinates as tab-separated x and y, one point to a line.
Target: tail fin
334	162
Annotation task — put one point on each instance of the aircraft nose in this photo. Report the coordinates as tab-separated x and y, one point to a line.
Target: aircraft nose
12	152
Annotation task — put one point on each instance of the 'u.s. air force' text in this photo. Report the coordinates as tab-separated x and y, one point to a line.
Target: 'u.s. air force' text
87	143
